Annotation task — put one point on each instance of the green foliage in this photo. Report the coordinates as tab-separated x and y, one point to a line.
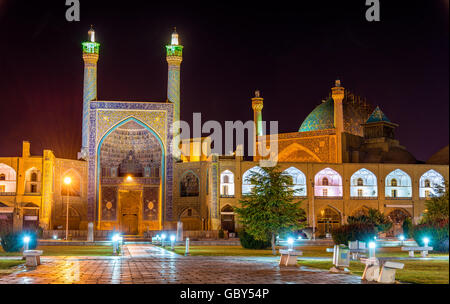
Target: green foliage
249	242
372	217
437	232
270	208
407	227
437	207
354	232
221	234
13	241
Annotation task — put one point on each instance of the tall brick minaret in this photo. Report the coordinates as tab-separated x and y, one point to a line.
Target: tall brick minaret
90	56
338	94
174	58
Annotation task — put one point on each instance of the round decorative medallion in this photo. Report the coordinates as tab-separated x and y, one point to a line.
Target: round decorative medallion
108	205
150	205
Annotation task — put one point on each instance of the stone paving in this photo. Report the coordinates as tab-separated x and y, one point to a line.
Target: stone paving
146	264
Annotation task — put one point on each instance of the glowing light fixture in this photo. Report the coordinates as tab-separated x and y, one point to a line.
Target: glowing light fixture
426	241
67	180
372	245
172	238
129	178
26	239
55	237
163	236
401	237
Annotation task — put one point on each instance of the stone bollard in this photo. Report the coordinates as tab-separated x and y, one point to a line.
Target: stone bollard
186	252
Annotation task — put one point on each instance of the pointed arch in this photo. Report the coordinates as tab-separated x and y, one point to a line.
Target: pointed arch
398	185
328	219
287	154
159	140
246	184
328	182
227	183
363	183
429	183
8	181
298	180
189	184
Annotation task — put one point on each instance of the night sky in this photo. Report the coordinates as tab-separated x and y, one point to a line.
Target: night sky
290	51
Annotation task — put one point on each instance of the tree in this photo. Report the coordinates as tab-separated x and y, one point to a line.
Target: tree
270	208
437	208
372	217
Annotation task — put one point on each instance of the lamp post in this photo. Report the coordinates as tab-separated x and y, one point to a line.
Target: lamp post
163	237
372	246
186	252
67	181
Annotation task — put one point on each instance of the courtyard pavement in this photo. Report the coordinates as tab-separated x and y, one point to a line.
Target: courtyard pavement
147	264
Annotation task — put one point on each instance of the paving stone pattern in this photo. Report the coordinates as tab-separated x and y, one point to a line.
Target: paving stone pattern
146	264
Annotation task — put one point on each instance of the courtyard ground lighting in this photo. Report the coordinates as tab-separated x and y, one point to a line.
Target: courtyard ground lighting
426	241
372	247
172	242
163	237
290	243
26	241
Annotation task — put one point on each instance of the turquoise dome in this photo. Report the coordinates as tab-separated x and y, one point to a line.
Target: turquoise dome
321	118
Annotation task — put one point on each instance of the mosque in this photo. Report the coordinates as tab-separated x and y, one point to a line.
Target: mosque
344	159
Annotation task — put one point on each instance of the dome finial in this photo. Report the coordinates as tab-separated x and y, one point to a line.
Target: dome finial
174	36
337	82
91	34
257	94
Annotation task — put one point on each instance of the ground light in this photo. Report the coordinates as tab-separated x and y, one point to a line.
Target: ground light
163	237
172	242
426	241
401	237
55	237
26	241
116	239
290	243
372	247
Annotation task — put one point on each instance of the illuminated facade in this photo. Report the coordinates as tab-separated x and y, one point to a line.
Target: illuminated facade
129	177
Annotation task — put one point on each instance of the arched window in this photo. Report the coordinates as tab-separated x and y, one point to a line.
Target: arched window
431	184
330	180
363	183
7	178
189	185
246	184
327	220
32	181
227	183
298	181
398	185
227	218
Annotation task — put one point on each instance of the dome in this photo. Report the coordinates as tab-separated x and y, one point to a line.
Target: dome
356	112
440	157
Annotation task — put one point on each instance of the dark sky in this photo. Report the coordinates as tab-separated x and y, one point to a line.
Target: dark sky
291	51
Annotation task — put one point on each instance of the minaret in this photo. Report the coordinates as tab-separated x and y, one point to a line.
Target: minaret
174	58
90	57
338	93
257	106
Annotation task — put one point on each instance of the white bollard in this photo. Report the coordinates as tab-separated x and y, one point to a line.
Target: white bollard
186	252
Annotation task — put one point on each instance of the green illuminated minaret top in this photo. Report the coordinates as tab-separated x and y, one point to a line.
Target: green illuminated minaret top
91	47
174	49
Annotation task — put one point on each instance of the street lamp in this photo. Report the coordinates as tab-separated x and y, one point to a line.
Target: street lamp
426	241
67	181
372	246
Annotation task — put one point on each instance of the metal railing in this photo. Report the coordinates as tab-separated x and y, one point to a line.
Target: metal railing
7	193
364	197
